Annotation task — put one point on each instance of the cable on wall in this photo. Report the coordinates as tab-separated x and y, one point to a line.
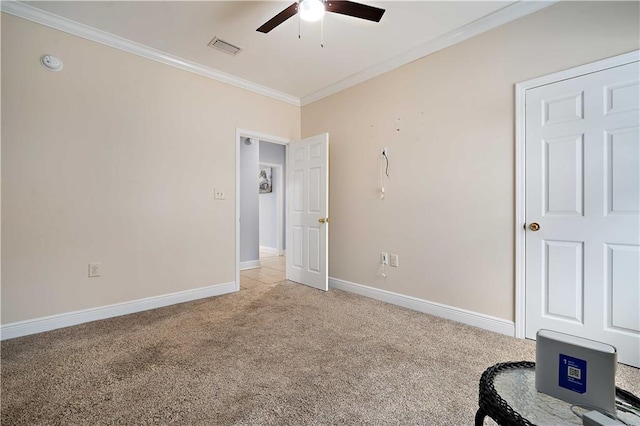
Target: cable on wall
384	171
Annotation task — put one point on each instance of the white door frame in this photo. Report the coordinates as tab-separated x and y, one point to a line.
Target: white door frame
279	207
240	133
520	232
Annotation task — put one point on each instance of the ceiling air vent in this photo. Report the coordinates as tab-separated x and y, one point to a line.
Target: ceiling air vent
224	46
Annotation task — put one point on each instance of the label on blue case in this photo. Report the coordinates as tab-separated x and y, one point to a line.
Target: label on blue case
572	374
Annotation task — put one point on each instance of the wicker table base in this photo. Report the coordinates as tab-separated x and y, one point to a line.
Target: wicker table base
491	403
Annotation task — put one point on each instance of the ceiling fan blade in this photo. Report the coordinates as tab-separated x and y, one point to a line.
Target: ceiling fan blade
356	10
279	18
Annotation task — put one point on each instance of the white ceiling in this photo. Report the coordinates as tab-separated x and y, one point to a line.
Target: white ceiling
301	68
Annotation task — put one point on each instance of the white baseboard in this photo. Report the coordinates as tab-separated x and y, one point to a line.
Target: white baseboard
250	264
475	319
269	249
39	325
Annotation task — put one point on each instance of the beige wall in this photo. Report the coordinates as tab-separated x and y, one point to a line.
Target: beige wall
449	208
114	160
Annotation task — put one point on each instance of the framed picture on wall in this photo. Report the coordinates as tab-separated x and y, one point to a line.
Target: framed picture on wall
264	180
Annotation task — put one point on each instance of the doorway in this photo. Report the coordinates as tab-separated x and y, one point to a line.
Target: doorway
306	166
270	177
253	265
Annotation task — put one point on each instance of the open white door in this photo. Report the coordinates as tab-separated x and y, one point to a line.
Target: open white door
583	208
307	211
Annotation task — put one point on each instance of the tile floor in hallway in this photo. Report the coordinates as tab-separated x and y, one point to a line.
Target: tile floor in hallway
272	271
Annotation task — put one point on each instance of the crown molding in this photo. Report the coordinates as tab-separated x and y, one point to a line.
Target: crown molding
51	20
500	17
493	20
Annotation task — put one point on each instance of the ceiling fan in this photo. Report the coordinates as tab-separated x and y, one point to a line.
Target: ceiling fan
313	10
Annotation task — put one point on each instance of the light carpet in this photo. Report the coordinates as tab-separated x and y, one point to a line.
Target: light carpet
280	354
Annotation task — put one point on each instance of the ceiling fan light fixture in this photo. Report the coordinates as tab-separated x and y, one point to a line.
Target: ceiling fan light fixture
311	10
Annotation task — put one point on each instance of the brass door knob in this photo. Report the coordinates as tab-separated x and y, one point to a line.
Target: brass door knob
534	226
323	220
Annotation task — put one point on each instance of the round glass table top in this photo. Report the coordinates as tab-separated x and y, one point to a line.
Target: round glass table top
517	387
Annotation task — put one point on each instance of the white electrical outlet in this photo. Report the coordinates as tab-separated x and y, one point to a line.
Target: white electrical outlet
94	269
384	258
384	152
393	260
218	194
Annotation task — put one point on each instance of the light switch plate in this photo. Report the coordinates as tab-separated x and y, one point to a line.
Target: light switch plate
393	260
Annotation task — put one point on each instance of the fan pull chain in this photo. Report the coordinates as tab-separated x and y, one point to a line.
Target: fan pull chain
299	24
322	32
